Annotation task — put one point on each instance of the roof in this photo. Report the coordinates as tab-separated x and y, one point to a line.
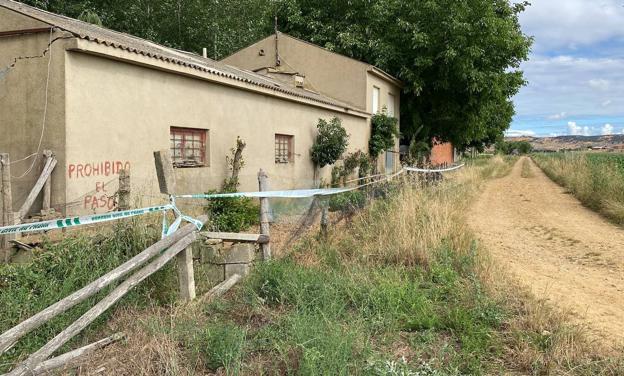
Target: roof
130	43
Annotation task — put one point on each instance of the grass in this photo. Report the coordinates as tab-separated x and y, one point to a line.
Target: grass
596	179
60	268
402	289
527	171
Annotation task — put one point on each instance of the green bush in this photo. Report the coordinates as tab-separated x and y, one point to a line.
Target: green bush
232	214
331	142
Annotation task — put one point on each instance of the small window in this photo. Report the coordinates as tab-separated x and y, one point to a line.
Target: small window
188	147
283	148
375	99
391	104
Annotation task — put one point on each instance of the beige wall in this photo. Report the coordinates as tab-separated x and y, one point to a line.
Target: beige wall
22	103
122	112
328	73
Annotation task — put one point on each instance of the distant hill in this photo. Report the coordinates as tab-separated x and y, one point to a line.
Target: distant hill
571	142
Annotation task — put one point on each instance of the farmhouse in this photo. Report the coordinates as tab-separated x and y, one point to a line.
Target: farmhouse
306	65
103	101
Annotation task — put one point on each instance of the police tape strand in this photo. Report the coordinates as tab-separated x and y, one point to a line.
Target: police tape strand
168	230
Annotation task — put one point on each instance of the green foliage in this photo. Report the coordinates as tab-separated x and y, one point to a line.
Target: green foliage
384	131
331	141
222	345
347	202
233	214
90	17
513	147
59	268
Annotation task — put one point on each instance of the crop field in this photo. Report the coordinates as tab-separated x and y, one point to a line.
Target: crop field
596	179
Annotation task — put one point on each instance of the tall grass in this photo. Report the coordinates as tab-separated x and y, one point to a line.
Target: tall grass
597	180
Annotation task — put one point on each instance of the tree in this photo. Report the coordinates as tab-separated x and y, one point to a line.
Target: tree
459	59
384	131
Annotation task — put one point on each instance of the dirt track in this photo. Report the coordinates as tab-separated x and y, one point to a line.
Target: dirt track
563	251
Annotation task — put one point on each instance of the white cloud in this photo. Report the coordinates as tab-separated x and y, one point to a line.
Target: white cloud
607	129
599	84
519	133
563	83
558	116
577	130
573	24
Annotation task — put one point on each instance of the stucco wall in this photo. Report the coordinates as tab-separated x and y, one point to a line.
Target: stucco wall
22	103
121	113
328	73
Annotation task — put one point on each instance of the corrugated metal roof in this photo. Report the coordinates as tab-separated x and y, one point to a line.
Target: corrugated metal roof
150	49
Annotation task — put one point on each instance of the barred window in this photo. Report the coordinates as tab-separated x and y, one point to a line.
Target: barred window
283	148
188	147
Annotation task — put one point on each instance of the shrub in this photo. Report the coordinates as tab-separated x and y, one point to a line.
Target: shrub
331	142
348	202
232	214
384	130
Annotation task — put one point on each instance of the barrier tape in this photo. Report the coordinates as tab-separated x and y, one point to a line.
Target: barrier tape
168	230
414	169
80	220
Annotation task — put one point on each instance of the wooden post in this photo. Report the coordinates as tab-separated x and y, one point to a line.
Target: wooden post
324	220
124	190
6	203
47	187
164	172
32	196
186	275
264	215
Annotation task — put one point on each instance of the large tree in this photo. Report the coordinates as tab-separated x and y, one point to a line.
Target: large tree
459	59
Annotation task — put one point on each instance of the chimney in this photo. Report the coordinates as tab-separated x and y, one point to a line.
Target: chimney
299	80
205	53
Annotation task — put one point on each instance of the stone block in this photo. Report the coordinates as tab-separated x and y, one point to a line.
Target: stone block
240	269
209	251
240	253
214	273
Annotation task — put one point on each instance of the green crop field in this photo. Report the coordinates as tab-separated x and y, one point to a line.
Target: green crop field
612	159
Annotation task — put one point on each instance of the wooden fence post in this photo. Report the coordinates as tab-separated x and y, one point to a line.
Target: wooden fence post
186	274
48	167
47	187
164	172
324	219
264	215
6	203
124	190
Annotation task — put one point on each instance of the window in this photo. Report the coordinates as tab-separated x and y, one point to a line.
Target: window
391	104
375	99
283	148
188	147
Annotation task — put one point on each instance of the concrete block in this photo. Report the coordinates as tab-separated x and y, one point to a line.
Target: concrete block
240	253
240	269
214	273
209	252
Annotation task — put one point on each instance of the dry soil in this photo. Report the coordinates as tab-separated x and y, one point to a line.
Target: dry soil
562	251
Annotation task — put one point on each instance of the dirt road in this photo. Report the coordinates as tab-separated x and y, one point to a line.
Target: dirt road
564	252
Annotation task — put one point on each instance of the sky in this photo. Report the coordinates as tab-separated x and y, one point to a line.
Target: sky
575	72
